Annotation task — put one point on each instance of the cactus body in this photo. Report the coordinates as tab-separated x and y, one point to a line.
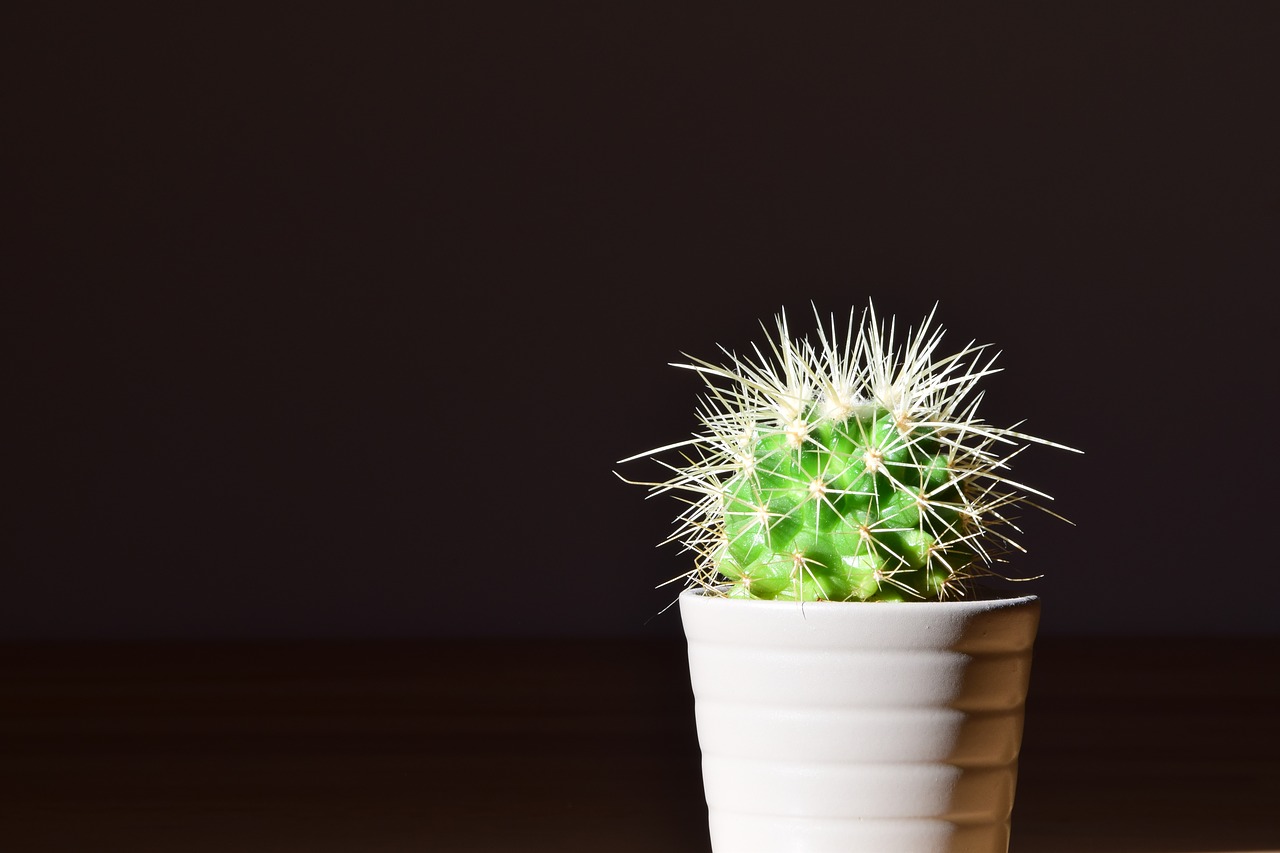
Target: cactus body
845	470
860	509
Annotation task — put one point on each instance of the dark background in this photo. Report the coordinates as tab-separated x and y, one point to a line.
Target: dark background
332	321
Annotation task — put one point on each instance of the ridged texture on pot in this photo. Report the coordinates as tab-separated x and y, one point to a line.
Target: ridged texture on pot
848	727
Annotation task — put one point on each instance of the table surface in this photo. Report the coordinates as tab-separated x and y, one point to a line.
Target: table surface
1131	746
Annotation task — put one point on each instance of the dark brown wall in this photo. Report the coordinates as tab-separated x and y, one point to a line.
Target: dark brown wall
332	321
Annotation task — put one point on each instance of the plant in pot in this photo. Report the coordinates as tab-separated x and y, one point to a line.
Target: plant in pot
857	687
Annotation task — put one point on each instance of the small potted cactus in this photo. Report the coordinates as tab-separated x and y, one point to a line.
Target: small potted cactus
857	687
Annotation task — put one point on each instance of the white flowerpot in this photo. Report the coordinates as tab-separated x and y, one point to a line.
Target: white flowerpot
859	727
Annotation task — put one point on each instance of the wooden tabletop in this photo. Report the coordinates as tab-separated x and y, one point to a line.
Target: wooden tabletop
1131	746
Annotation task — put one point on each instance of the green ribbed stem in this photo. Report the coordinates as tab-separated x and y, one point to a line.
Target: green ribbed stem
866	509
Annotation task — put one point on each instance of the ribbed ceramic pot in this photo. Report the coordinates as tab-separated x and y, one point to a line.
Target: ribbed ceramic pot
857	727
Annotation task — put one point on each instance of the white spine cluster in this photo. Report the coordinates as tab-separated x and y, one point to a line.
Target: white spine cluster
798	391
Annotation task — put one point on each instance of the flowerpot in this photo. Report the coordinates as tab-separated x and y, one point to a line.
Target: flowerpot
876	727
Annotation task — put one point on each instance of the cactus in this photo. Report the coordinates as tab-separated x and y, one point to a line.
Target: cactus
850	469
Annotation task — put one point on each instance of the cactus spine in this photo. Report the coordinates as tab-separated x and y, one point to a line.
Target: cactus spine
847	469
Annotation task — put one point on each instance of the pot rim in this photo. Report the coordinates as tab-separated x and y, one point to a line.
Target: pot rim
1003	624
988	600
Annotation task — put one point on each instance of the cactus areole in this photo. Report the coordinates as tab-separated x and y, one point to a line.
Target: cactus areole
848	467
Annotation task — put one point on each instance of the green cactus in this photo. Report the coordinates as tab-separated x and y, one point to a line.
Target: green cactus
849	469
